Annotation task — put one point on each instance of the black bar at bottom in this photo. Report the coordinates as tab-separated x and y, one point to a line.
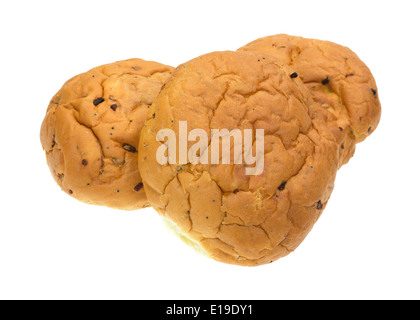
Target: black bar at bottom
213	309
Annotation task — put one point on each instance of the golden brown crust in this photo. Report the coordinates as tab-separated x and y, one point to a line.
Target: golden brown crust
341	84
91	130
240	219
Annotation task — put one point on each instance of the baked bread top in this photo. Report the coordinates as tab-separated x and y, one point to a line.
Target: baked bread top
91	131
234	217
342	86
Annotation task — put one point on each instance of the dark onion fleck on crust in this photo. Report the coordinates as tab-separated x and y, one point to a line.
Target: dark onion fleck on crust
326	81
138	187
282	186
114	107
319	205
129	148
85	162
98	101
294	75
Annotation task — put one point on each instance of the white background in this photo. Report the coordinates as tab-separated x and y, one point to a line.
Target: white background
365	246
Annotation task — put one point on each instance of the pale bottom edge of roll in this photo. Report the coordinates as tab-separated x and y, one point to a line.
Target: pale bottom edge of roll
174	229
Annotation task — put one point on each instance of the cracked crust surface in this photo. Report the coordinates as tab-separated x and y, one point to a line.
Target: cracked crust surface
91	131
235	218
341	84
